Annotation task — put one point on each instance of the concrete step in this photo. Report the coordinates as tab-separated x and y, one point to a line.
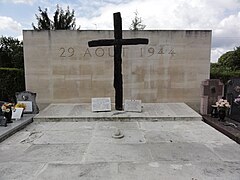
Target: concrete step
150	112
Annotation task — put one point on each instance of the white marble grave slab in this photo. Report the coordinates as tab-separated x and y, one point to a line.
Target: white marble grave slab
101	104
133	105
17	113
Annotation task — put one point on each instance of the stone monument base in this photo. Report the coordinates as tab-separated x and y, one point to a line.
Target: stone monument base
150	112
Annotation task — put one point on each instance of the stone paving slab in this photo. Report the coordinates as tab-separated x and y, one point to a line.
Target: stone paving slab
19	170
60	137
97	171
149	150
179	170
53	153
150	112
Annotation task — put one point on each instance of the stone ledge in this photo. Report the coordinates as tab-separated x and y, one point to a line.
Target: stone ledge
225	127
17	125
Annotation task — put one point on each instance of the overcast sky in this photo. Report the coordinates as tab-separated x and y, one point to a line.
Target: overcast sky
220	16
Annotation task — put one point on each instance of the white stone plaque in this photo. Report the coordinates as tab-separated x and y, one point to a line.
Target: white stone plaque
17	113
28	105
133	105
101	104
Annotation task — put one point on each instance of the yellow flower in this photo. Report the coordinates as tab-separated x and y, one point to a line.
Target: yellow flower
20	105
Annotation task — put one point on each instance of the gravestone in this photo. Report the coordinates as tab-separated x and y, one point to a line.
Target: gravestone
101	104
133	105
28	98
233	92
211	91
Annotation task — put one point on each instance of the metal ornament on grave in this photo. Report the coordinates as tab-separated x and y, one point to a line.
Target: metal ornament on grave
117	43
211	91
233	92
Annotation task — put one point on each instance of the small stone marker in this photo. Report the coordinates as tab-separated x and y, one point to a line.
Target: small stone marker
133	105
17	113
101	104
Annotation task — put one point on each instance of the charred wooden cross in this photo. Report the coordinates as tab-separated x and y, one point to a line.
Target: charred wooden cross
117	43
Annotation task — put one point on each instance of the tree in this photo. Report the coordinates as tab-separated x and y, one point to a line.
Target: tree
137	23
44	23
11	53
61	20
64	21
230	60
227	67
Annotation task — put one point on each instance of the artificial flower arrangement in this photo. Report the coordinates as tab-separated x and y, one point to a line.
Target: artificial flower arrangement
20	105
237	100
7	107
222	104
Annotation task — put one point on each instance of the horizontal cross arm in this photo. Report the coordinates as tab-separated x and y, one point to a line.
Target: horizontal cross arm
111	42
101	42
133	41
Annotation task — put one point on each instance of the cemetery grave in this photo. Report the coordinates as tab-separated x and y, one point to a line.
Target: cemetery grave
154	134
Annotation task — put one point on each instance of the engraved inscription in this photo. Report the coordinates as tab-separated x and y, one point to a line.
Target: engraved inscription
68	53
99	52
65	52
133	105
101	104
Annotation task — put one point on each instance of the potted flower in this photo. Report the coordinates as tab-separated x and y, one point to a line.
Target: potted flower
222	105
7	109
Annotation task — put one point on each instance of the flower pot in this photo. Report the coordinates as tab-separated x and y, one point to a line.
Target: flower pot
214	112
8	116
221	114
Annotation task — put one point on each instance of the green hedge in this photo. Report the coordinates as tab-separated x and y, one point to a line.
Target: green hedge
11	80
223	75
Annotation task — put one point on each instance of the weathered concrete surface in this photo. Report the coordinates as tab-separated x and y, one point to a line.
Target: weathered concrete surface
149	150
150	112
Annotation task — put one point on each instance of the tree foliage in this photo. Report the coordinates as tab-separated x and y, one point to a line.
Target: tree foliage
11	53
137	23
61	20
44	23
231	60
11	81
228	66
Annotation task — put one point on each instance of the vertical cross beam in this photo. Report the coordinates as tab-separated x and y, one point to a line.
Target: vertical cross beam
118	62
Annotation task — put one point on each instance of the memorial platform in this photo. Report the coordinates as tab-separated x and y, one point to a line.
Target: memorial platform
150	112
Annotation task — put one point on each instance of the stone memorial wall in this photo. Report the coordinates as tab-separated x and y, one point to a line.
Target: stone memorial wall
60	67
